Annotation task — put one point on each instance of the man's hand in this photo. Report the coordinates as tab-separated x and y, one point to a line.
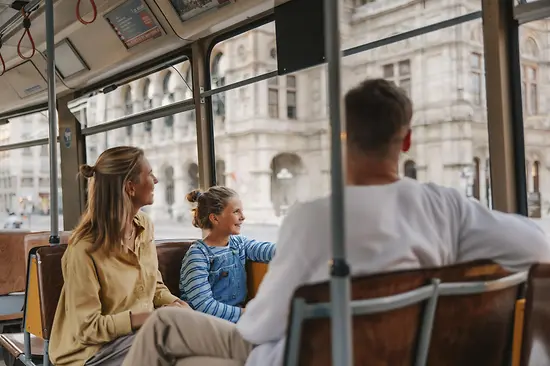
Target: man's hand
179	304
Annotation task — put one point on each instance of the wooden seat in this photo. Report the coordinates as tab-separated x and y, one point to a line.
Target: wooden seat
467	329
535	348
12	261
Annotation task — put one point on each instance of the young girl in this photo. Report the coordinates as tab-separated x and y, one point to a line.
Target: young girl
213	274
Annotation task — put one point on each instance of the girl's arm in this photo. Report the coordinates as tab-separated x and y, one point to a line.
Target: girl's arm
194	284
258	251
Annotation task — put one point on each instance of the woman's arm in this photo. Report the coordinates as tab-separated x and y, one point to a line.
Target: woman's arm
194	284
258	251
83	302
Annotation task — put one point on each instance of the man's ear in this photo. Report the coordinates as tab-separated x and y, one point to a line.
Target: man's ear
407	141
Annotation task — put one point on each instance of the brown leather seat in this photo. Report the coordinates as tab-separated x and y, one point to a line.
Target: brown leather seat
170	254
50	281
13	261
468	330
535	348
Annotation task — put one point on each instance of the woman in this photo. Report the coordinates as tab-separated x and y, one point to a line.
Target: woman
110	267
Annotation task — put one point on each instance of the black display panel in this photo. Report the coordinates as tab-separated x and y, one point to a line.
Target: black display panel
188	9
133	23
300	30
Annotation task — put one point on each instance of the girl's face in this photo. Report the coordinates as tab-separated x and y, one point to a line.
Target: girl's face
230	220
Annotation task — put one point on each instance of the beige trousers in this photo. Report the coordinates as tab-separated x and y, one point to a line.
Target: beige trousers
183	337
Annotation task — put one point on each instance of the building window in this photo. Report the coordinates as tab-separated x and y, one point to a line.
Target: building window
291	110
400	74
530	90
475	77
273	103
410	169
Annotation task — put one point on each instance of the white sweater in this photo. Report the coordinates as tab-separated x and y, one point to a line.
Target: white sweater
402	225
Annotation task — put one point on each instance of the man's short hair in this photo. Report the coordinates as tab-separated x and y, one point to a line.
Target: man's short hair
376	111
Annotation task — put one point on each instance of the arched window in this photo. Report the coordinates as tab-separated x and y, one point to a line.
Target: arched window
220	173
128	107
476	187
166	83
410	169
218	80
535	172
285	171
193	176
168	120
170	188
147	103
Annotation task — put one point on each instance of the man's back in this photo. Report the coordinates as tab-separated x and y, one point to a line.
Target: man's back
389	227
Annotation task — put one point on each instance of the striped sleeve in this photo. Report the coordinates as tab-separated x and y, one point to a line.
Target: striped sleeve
258	251
194	284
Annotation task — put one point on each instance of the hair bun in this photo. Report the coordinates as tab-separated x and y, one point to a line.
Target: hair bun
194	195
87	171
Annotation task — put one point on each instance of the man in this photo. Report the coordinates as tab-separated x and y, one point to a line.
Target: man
391	224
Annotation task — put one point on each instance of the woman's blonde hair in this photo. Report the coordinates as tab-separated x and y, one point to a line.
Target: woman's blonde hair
109	208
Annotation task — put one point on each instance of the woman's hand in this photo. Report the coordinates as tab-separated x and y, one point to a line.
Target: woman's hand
179	304
138	319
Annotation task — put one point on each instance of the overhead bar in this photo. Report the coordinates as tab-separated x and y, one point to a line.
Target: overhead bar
340	293
529	12
414	33
17	19
52	116
139	117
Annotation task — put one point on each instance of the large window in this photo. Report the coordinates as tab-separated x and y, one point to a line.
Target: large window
442	72
25	177
534	38
273	140
170	143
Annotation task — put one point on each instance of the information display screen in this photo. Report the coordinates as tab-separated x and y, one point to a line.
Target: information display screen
188	9
133	23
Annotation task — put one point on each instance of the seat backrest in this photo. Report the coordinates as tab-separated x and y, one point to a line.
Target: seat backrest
170	254
467	330
535	349
13	261
50	282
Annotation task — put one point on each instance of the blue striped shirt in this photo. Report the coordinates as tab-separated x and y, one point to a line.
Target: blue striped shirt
205	267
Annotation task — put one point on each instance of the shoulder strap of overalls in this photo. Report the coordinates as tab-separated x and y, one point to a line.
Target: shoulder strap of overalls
205	249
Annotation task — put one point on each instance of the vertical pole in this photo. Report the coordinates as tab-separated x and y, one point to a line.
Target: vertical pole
342	352
504	107
52	115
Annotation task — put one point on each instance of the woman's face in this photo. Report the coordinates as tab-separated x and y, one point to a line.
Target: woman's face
144	189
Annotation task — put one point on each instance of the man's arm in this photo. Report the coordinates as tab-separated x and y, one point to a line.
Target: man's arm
513	241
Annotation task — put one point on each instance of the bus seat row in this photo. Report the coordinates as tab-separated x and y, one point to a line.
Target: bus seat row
464	314
391	311
44	289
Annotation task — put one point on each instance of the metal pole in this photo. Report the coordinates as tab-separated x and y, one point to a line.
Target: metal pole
52	115
342	350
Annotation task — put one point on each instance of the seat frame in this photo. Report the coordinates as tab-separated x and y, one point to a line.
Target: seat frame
302	311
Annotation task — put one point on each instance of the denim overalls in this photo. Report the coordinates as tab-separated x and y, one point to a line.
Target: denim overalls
227	274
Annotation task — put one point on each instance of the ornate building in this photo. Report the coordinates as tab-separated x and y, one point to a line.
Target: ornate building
272	137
